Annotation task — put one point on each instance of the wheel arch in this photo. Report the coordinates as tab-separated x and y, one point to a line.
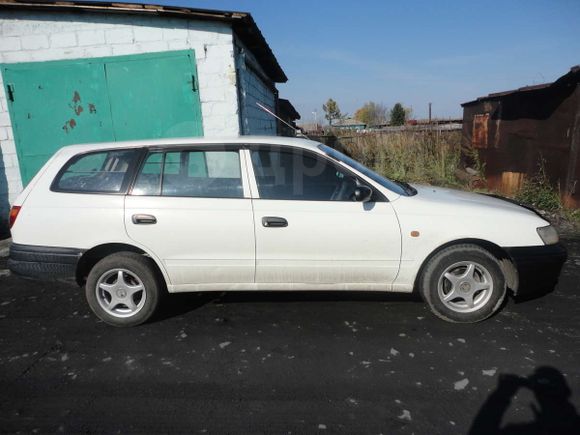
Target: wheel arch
505	262
97	253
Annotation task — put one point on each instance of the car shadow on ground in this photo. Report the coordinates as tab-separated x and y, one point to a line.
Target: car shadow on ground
181	303
552	410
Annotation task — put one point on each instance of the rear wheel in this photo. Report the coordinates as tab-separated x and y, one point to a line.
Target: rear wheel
463	283
122	289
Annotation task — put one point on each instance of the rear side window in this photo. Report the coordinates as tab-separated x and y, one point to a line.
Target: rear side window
197	174
149	179
99	172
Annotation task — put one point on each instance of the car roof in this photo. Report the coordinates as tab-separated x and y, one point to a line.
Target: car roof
201	141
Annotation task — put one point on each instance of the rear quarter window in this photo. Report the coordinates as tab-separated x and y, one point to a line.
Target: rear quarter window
98	172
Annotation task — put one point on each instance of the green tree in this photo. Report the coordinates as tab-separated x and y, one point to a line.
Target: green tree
372	113
398	115
331	110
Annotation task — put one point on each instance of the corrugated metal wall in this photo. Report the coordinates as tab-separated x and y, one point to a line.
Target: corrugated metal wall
514	133
254	87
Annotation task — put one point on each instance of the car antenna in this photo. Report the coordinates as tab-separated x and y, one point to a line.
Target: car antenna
297	131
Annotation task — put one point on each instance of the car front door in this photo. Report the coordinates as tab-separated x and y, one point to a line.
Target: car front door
192	209
311	232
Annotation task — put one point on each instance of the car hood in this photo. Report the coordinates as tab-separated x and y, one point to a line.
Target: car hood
454	199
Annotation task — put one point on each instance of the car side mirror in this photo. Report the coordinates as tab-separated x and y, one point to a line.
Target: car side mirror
363	194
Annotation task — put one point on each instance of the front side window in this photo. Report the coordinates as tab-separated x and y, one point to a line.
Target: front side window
398	187
202	174
99	172
300	176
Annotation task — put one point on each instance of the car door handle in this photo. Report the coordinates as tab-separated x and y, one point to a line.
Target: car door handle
274	221
144	219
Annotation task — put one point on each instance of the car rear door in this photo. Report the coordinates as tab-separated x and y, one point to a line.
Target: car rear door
192	208
311	233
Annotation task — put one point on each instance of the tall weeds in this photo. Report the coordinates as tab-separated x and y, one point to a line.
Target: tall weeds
429	157
538	192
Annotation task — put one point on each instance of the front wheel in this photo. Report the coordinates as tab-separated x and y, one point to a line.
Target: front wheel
122	289
463	283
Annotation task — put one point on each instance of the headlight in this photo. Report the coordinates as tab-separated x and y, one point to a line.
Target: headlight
548	234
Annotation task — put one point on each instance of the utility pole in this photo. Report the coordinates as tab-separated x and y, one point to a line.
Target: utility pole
429	113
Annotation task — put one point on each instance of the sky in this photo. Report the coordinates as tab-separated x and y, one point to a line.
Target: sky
412	51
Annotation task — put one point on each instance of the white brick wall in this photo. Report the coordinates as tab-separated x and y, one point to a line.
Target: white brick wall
34	42
91	38
119	36
62	40
38	36
10	43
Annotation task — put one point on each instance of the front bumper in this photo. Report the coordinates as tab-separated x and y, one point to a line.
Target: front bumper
44	262
538	268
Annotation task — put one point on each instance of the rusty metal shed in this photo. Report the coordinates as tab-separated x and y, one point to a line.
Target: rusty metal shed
514	131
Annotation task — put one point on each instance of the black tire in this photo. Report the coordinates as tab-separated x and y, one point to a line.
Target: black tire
438	289
136	271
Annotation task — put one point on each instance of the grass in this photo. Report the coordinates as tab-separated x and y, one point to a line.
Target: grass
539	193
426	157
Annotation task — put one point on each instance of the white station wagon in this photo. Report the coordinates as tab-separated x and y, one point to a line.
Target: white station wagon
131	221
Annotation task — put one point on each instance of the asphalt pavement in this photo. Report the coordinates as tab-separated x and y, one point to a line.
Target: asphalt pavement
253	363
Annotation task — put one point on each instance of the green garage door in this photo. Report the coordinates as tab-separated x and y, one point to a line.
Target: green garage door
53	104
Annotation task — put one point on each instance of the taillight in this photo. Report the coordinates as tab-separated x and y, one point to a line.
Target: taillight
14	214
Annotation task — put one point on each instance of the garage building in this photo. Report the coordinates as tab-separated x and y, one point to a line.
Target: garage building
519	132
78	72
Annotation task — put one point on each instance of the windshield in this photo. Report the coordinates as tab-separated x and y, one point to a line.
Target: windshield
398	187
